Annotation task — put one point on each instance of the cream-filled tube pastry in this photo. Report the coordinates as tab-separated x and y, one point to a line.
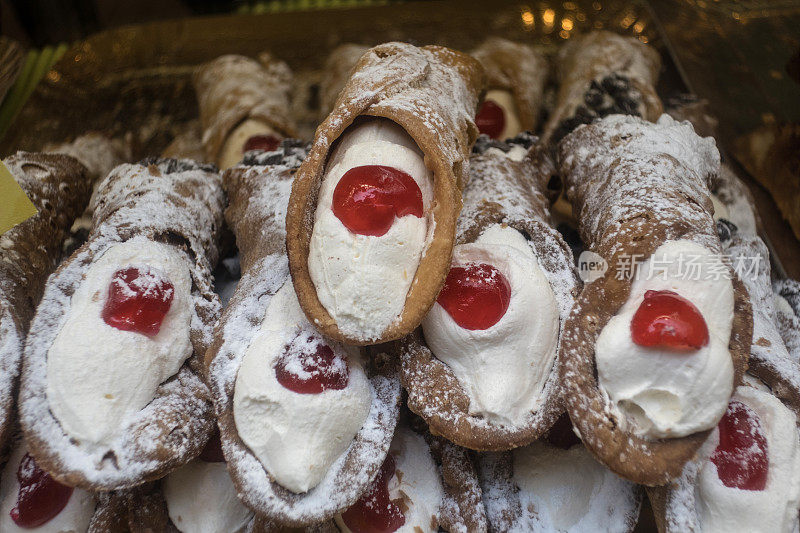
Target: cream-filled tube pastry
515	77
425	485
484	371
31	500
746	476
305	421
244	106
111	394
335	74
383	183
603	73
787	314
656	344
59	188
555	485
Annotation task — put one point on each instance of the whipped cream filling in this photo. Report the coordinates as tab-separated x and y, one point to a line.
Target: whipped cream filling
362	280
567	490
503	369
416	481
296	437
201	498
73	518
668	393
720	210
231	152
99	376
505	99
774	509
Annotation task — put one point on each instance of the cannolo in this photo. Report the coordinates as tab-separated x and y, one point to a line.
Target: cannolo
395	147
554	484
336	72
483	372
603	73
787	314
59	188
654	347
515	77
305	421
746	476
425	485
111	393
243	106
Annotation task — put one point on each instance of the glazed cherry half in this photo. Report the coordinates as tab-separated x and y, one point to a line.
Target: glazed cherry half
268	143
309	366
368	198
476	296
374	512
741	455
138	300
491	119
40	497
667	320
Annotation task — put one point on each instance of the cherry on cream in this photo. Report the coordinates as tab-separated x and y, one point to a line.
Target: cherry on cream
309	366
268	143
665	319
741	455
368	198
374	512
40	497
476	296
491	119
138	300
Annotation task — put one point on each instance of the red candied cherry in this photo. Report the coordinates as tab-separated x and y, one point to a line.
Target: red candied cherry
309	366
476	296
212	453
368	198
268	143
138	300
491	119
667	320
561	434
374	512
40	497
741	455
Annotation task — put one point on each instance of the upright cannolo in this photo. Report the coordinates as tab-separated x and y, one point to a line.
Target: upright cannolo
515	77
603	73
336	73
372	216
483	372
244	106
746	476
111	393
654	348
59	188
305	421
425	485
555	484
787	314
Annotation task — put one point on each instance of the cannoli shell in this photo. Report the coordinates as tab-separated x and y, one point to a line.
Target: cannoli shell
501	191
432	92
337	71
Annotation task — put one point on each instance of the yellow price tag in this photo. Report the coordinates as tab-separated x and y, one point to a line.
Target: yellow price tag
15	207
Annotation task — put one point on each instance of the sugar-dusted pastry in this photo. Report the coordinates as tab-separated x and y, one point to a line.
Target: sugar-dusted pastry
335	74
425	485
746	476
244	106
111	394
305	421
654	348
59	188
555	485
372	216
515	77
602	73
483	371
787	314
31	500
97	152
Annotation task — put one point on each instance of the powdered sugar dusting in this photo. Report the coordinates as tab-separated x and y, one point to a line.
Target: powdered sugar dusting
787	316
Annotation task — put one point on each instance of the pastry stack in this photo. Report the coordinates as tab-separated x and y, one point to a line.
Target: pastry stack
410	344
